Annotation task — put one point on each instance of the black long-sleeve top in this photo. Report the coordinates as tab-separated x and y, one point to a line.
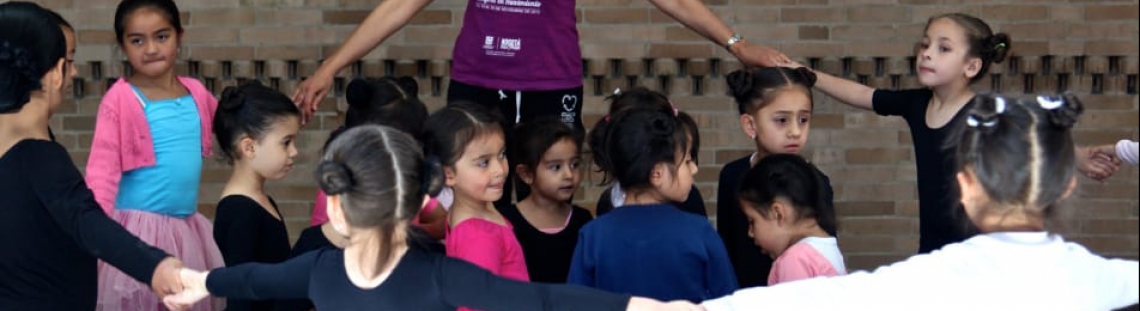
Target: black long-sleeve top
421	281
52	230
247	232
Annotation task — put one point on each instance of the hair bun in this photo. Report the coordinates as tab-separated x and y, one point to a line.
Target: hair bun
986	114
999	45
359	91
409	86
805	76
1064	111
232	99
432	176
334	178
740	85
16	89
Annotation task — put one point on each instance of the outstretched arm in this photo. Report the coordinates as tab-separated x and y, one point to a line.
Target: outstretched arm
695	15
386	19
846	91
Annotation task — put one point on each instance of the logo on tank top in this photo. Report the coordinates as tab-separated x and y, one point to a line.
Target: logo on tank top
569	105
506	47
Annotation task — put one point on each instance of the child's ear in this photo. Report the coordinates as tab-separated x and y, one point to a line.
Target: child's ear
780	213
449	176
336	213
973	67
748	125
524	174
246	146
657	175
1069	190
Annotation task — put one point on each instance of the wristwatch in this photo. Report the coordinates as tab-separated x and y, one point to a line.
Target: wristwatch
736	38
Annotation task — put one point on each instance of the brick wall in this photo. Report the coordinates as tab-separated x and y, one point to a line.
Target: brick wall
1088	47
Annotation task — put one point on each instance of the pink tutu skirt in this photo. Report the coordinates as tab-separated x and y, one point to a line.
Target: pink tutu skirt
190	239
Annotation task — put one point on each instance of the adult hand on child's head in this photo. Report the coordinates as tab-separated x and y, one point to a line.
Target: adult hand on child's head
193	290
758	55
310	93
165	280
1097	162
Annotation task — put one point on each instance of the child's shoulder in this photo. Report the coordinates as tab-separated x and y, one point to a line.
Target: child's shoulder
474	224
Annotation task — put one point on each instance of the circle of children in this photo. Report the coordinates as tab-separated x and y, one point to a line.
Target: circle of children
395	181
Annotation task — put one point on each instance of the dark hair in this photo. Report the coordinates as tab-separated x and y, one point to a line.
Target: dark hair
391	101
533	138
249	109
1020	150
984	44
641	97
448	131
755	88
59	19
792	178
166	8
634	141
381	176
31	44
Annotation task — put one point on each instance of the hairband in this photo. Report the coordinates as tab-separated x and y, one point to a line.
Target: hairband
1049	103
999	108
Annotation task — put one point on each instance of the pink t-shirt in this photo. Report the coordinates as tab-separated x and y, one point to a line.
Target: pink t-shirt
488	245
810	257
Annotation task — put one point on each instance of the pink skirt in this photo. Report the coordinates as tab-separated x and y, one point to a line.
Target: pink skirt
190	240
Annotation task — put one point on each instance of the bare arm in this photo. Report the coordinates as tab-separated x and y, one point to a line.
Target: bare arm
846	91
386	19
695	15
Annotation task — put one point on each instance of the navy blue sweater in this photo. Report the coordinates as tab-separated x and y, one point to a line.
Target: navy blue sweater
656	251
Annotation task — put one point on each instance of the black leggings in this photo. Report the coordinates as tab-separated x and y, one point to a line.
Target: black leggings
517	107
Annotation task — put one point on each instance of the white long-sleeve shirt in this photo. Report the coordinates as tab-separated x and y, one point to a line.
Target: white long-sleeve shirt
1127	151
997	271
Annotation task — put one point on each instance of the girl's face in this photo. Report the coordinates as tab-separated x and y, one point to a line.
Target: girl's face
556	176
272	155
481	171
769	233
150	42
942	56
783	125
69	37
677	183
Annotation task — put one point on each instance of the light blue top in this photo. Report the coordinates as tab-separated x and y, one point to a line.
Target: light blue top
170	187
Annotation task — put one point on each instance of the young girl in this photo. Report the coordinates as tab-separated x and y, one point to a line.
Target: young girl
256	129
1015	163
389	101
377	180
775	106
467	141
151	133
53	230
956	50
613	196
649	247
545	223
790	218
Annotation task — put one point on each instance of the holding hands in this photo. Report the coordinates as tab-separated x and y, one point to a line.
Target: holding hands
1098	162
193	290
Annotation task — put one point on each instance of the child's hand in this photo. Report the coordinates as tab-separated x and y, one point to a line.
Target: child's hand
1097	162
165	280
193	290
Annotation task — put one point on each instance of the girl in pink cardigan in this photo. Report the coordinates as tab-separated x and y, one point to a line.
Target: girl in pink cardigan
151	133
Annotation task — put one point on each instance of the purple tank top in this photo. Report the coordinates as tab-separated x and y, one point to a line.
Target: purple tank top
518	45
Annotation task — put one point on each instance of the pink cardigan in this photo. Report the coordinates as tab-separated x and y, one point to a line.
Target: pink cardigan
122	139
